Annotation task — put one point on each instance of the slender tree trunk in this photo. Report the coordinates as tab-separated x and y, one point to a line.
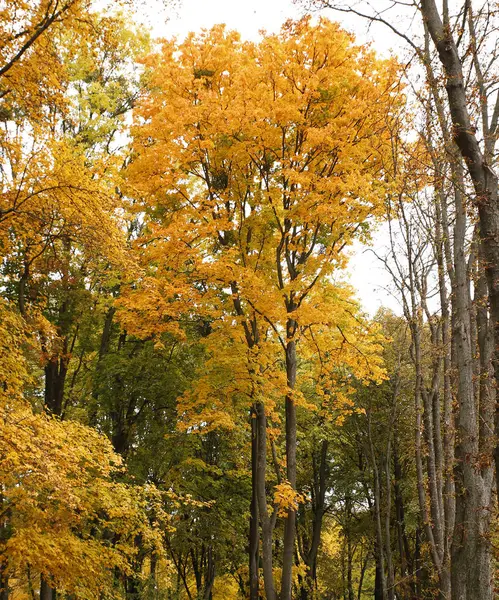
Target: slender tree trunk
290	522
319	510
55	379
442	228
381	585
378	575
390	582
254	537
406	568
46	591
209	576
478	163
267	522
350	550
4	583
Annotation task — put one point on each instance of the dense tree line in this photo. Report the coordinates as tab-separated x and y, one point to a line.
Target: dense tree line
193	404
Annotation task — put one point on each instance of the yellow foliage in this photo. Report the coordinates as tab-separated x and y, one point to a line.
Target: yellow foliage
62	512
255	165
286	498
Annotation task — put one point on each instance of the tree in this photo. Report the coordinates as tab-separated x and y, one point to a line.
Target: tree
461	116
257	168
62	514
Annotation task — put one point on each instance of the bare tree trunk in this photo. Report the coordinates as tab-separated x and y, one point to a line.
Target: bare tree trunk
290	522
485	182
483	177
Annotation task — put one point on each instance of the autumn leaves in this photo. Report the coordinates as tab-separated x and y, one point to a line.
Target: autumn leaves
256	166
224	226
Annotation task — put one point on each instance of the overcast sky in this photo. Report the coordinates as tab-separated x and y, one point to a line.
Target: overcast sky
249	17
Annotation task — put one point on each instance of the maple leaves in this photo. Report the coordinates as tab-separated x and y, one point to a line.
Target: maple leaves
66	516
62	512
258	164
253	167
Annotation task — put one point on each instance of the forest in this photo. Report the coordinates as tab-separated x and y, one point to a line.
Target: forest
195	403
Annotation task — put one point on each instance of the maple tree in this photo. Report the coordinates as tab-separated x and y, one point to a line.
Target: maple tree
63	514
192	403
258	164
59	491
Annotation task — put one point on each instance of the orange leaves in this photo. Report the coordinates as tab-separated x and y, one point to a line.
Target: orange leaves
286	498
280	140
256	165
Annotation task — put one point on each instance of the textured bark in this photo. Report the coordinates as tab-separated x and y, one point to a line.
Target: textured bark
484	180
290	522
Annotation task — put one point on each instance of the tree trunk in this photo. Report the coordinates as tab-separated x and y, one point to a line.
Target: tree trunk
406	569
267	522
290	522
209	576
55	379
319	510
378	575
380	581
471	550
46	591
4	583
254	537
390	582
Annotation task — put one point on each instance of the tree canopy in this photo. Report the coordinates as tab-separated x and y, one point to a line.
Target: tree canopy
193	403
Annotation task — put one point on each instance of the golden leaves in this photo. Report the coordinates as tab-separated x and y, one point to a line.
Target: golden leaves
255	166
59	493
286	498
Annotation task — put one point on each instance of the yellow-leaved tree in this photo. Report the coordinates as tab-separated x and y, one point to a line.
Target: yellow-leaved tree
65	519
257	164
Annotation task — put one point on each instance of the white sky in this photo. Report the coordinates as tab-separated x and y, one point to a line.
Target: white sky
249	17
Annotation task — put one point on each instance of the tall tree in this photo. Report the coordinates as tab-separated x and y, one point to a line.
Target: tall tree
258	169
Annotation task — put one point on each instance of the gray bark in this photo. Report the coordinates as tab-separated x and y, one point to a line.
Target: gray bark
290	522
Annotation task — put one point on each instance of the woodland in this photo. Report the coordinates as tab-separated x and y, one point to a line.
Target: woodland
193	403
